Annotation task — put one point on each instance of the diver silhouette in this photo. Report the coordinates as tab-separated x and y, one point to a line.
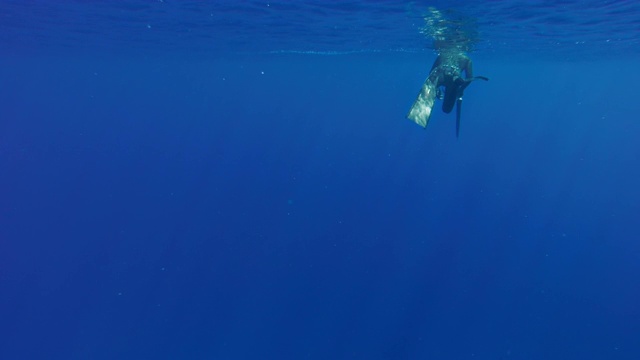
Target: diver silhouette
446	73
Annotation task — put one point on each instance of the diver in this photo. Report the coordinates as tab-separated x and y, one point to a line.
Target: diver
445	74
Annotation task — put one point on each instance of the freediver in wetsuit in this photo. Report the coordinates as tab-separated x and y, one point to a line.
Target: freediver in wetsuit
446	73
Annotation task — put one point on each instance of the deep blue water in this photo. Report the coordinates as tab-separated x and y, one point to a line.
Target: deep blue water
236	180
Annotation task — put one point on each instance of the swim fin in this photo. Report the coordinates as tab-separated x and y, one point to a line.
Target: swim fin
459	100
420	111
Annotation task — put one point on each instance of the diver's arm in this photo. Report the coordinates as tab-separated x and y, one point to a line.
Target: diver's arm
468	72
468	69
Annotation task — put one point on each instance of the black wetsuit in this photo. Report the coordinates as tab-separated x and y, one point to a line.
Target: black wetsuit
448	69
446	73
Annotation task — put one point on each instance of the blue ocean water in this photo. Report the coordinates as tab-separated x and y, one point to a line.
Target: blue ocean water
237	180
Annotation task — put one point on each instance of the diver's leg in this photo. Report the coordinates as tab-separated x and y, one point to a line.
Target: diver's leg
450	96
